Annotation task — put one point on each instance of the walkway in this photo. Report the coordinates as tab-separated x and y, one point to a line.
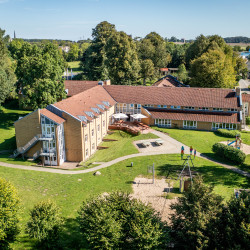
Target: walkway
170	146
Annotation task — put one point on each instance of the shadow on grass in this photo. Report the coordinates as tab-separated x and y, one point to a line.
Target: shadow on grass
71	237
8	144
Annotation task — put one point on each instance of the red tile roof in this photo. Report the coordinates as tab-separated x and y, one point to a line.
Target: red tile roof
57	119
163	69
167	81
76	87
194	97
246	97
78	104
192	116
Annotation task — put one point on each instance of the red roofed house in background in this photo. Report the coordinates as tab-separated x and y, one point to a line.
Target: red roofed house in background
71	130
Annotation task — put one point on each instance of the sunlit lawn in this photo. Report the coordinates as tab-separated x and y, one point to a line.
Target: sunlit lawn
203	141
68	191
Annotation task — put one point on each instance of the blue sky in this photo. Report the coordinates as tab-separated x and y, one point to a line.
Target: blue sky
74	19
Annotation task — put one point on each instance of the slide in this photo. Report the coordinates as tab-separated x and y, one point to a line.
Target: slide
231	143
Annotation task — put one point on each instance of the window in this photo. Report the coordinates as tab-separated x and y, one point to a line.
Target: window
131	105
175	107
86	138
189	124
203	108
98	127
232	110
103	123
92	132
93	146
163	122
87	152
189	108
217	109
217	125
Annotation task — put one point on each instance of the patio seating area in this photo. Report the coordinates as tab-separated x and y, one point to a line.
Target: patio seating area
134	128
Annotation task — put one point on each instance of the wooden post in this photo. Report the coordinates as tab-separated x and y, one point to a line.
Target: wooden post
153	173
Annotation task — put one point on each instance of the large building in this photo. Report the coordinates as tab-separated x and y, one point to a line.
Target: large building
71	130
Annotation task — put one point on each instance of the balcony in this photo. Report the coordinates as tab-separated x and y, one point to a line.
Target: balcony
129	111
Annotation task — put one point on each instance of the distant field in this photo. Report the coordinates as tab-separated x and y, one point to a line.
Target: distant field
243	45
75	66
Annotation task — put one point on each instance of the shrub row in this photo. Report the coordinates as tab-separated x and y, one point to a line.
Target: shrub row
233	154
228	133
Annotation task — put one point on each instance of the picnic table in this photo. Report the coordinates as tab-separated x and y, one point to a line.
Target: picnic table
159	142
145	144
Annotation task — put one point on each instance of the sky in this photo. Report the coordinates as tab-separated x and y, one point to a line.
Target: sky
75	19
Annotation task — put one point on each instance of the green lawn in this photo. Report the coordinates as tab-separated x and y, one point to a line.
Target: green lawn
7	130
68	191
123	146
203	141
75	66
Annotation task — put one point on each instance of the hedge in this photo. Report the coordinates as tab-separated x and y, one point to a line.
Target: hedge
233	154
228	133
247	120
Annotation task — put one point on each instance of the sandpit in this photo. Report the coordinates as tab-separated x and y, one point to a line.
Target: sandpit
244	147
153	194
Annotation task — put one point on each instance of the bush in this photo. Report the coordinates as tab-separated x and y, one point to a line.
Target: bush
233	154
45	224
117	221
228	133
247	120
9	205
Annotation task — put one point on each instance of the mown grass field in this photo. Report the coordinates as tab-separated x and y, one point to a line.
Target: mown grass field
68	191
75	66
203	141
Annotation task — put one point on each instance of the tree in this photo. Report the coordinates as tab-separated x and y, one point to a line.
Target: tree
73	53
213	69
7	75
240	67
117	221
45	224
190	223
248	48
9	206
182	73
230	230
43	65
121	60
93	61
196	49
147	69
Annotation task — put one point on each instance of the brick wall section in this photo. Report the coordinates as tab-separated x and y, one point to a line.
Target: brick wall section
73	138
26	128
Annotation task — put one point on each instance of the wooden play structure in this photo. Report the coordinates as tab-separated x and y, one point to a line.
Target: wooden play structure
236	143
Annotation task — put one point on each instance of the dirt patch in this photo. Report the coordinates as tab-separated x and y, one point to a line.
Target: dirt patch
153	194
244	147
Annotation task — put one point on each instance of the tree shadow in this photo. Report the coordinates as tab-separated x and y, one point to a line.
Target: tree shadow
7	119
71	237
8	144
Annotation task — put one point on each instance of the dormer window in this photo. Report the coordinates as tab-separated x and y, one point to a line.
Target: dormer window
191	108
90	114
175	107
217	109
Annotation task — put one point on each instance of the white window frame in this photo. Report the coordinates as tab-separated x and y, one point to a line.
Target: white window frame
86	138
220	125
217	109
163	123
190	124
92	132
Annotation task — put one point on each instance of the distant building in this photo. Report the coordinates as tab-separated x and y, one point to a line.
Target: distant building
64	48
169	81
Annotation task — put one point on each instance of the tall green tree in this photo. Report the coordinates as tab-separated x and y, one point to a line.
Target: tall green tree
7	75
147	69
39	70
9	206
93	61
190	222
231	227
121	62
117	221
213	69
73	53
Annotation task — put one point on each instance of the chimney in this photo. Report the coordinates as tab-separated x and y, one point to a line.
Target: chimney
107	82
238	92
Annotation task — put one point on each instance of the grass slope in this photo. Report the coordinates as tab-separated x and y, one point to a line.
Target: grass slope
203	141
70	190
123	146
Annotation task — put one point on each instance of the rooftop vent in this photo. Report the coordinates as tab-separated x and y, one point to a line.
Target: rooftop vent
100	83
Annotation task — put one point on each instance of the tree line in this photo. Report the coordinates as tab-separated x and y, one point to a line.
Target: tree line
200	219
34	70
